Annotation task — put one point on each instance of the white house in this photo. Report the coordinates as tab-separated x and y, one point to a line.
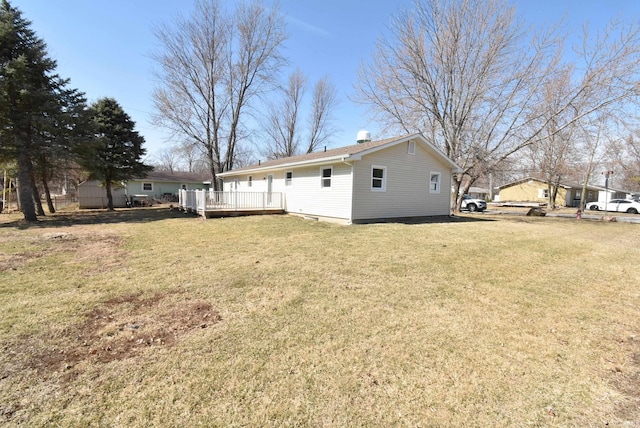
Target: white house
392	178
156	185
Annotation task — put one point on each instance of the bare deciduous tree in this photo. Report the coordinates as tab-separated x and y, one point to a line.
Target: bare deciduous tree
554	151
464	73
324	103
626	155
212	66
283	127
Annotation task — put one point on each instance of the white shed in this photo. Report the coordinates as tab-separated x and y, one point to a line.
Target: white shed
92	194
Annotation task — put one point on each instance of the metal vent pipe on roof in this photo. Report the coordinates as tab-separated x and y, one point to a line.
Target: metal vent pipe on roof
363	137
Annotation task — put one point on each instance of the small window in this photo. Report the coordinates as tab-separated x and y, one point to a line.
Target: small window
183	187
411	148
325	174
378	178
543	193
434	182
147	187
250	181
288	178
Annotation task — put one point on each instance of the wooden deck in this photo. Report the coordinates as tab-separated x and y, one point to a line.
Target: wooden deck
208	203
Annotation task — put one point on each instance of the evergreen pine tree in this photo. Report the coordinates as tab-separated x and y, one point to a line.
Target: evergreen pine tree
115	153
31	96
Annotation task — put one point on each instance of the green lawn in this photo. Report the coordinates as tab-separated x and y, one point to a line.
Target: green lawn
155	318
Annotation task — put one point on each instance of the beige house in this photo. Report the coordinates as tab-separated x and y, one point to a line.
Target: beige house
535	190
392	178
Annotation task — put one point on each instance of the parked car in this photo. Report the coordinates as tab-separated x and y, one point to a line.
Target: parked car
616	205
472	204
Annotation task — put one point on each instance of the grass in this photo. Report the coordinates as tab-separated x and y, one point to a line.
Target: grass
153	318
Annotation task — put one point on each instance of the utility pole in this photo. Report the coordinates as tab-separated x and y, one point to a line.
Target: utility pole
606	189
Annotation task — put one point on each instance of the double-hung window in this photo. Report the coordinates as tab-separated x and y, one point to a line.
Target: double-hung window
288	178
378	178
250	181
325	177
147	187
434	182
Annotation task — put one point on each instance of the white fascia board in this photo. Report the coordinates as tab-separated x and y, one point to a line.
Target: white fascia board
321	161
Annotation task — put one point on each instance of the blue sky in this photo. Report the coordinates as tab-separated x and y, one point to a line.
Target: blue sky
104	46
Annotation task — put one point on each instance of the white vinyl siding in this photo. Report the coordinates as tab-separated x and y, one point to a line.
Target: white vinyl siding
407	185
306	196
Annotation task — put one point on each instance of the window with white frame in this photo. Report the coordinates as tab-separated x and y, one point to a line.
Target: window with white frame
147	187
378	178
434	182
288	178
411	148
325	177
543	193
250	181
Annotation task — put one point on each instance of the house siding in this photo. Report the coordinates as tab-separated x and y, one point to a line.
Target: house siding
529	192
407	185
159	188
334	202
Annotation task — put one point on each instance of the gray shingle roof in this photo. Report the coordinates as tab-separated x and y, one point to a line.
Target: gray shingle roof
176	176
318	156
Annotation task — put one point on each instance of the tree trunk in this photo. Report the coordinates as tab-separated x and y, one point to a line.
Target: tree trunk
24	178
457	195
107	185
47	194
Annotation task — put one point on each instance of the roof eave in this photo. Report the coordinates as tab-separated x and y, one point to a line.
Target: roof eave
321	161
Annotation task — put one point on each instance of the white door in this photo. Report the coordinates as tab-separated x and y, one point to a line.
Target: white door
269	188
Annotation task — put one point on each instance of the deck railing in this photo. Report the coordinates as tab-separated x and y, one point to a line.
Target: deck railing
208	200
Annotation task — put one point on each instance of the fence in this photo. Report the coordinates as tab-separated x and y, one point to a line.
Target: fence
60	202
209	200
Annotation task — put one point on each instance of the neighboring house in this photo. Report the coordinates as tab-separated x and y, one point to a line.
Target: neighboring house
157	184
392	178
478	193
613	194
164	183
535	190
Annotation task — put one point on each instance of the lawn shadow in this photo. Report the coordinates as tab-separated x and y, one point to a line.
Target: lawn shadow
426	220
99	216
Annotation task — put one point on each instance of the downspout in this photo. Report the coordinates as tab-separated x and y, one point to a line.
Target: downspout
343	160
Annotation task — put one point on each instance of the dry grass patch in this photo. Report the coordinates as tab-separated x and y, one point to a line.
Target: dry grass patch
277	321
